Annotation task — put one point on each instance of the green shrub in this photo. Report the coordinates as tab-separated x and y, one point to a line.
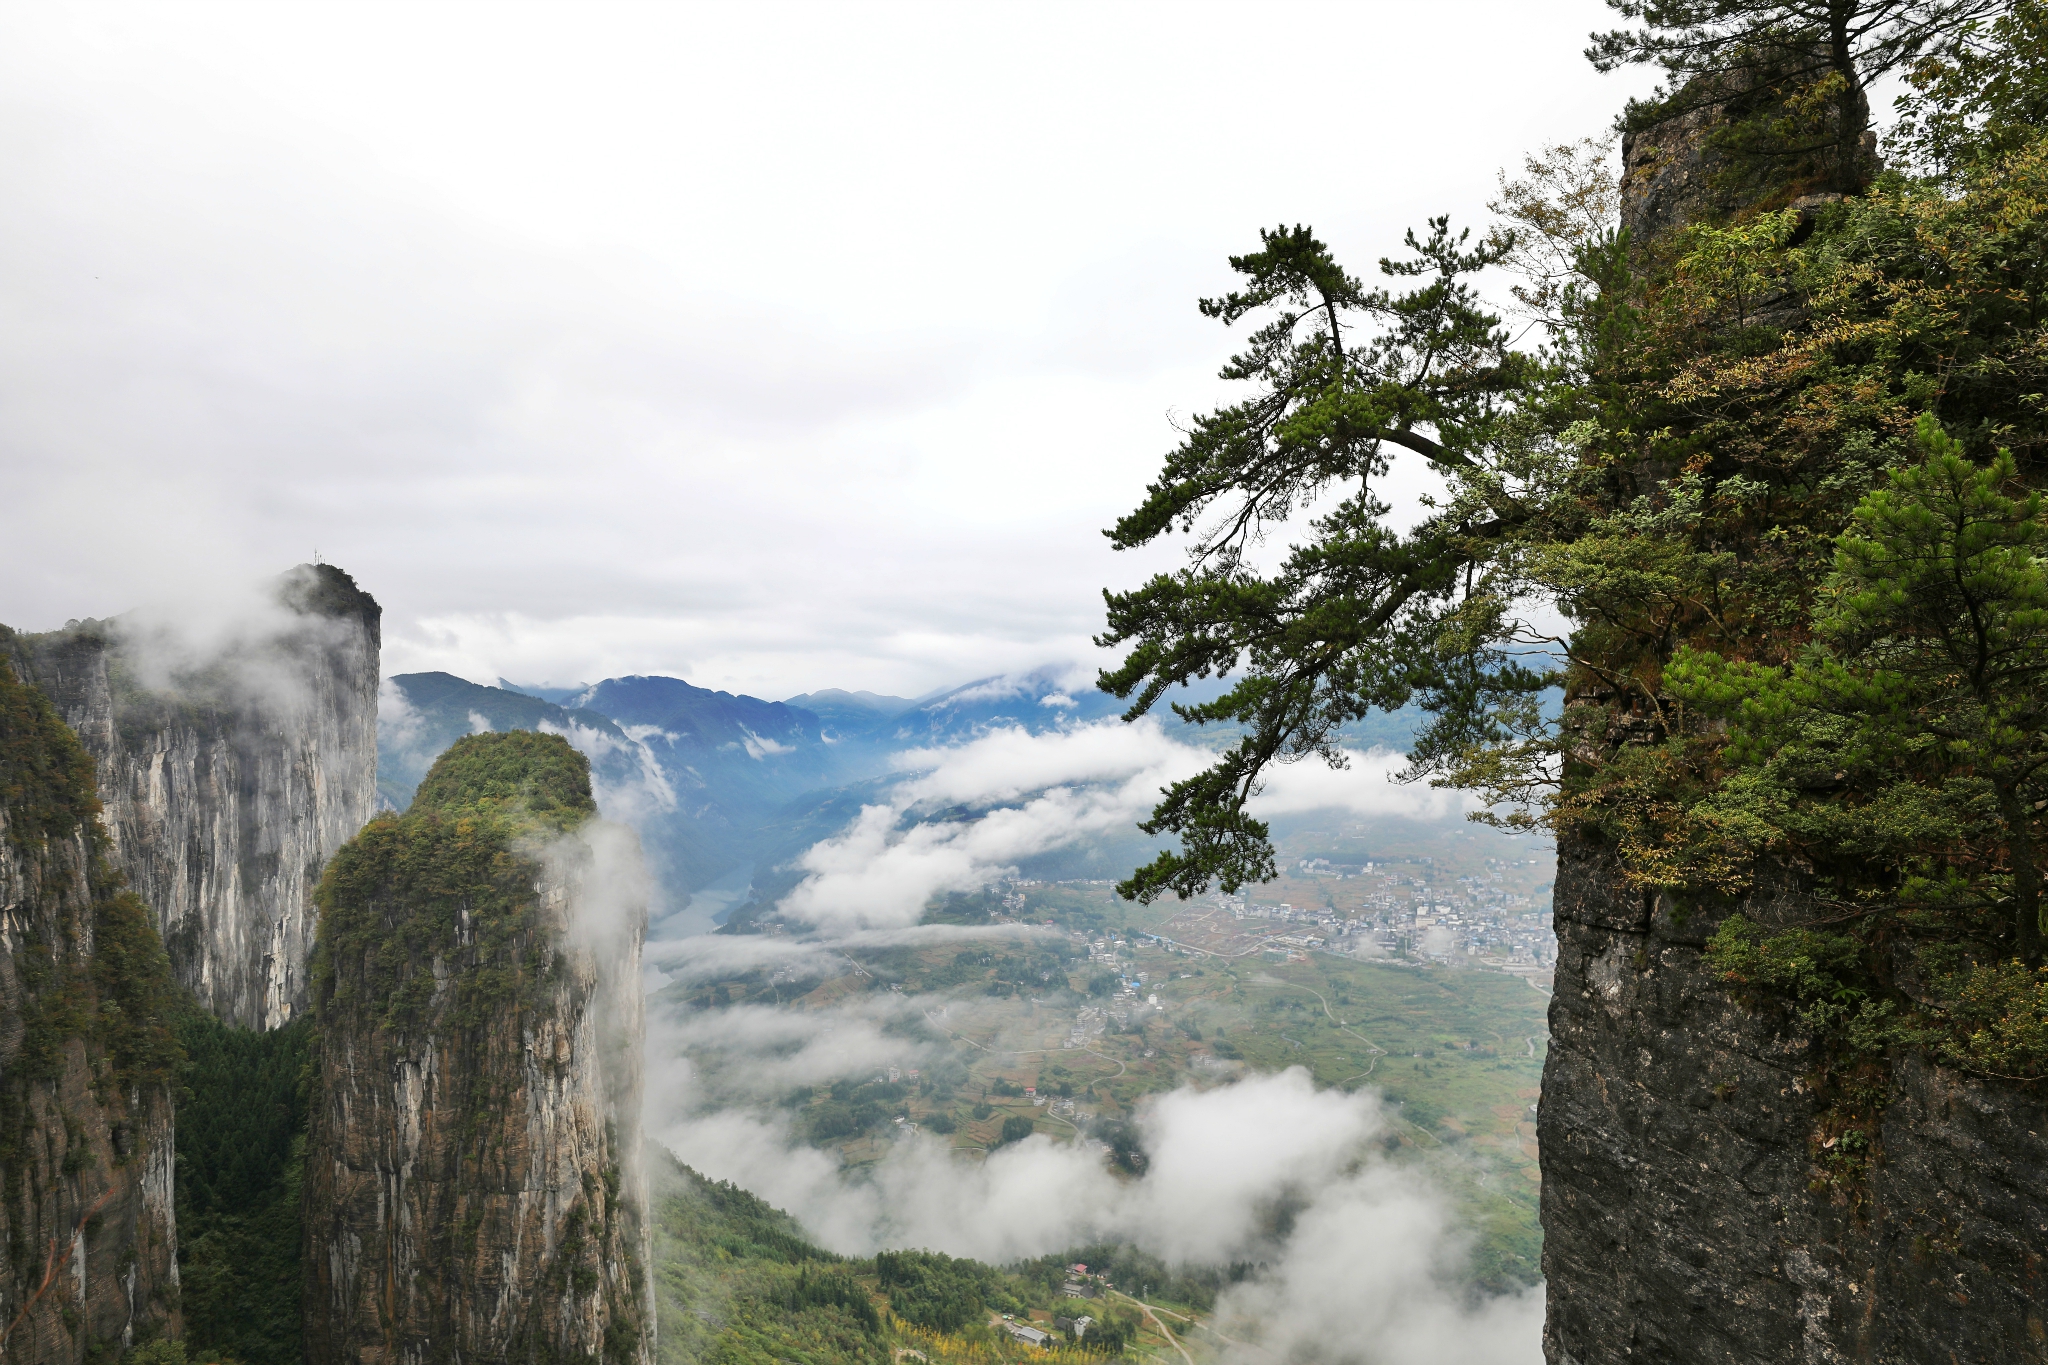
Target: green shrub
518	772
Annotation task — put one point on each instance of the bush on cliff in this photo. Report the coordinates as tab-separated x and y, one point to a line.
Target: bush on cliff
399	894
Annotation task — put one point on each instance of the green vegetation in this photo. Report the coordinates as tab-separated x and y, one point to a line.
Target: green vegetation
1457	1053
395	896
46	776
929	1289
240	1118
1812	65
519	773
118	1001
122	999
1362	618
241	1154
323	589
737	1281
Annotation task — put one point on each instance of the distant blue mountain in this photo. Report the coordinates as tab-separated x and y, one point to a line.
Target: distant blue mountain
698	772
847	715
1038	702
754	755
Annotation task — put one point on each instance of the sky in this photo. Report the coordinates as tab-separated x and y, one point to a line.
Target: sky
773	346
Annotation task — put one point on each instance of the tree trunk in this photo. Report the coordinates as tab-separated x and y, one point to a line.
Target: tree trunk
2026	877
1848	122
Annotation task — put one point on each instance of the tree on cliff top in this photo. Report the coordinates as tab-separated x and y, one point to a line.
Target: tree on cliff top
1673	473
1360	617
1818	52
519	772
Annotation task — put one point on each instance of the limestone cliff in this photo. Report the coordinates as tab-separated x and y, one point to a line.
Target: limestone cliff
1691	166
473	1189
1694	1206
231	768
1677	1126
87	1062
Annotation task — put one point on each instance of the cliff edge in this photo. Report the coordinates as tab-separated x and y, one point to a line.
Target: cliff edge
231	768
1718	1186
1683	1217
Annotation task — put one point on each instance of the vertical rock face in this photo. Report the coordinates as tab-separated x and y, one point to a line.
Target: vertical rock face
87	1061
1678	1137
473	1189
230	772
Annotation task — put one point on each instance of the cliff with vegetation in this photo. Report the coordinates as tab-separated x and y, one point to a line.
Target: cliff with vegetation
88	1063
230	769
472	1178
1796	1102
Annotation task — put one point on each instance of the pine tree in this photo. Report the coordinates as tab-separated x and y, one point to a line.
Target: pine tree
1359	617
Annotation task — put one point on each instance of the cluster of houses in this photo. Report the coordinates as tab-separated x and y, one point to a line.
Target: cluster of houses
1079	1285
1466	918
1089	1025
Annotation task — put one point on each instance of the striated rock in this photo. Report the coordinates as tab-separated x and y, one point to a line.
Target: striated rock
230	769
1697	165
473	1186
87	1063
1678	1216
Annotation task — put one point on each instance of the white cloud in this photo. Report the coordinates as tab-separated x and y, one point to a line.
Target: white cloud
1365	786
399	727
1027	794
1366	1279
1221	1157
773	1049
709	956
641	791
760	747
994	689
1369	1272
238	642
446	300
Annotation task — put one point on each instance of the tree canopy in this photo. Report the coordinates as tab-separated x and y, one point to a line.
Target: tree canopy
1342	376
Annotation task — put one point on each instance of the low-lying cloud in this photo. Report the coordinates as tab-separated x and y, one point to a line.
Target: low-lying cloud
975	810
1360	1260
633	789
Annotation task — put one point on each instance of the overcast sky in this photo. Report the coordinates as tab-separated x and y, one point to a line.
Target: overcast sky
776	347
